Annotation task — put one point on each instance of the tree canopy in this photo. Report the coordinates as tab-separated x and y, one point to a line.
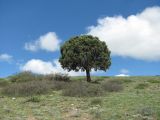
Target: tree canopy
85	53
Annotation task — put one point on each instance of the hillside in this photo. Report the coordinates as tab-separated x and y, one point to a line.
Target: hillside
125	98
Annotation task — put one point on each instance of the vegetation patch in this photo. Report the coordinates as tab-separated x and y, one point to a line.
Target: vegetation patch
33	99
96	101
154	81
141	86
96	112
27	88
3	82
83	89
112	86
25	77
57	77
145	113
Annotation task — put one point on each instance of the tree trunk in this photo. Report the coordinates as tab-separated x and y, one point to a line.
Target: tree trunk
88	75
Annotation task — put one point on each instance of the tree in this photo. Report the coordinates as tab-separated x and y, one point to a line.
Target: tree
85	53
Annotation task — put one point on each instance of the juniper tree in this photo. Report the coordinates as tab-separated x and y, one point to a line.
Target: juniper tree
85	53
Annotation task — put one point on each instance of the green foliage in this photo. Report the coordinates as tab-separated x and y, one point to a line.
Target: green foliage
82	89
27	88
2	79
96	112
126	80
154	81
61	77
141	86
85	53
96	101
25	76
33	99
60	85
112	85
57	77
3	82
124	105
146	113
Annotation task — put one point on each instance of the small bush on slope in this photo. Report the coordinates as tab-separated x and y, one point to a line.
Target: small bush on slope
3	82
82	89
25	76
27	88
112	86
141	86
57	77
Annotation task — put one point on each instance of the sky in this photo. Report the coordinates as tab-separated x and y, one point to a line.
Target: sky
32	31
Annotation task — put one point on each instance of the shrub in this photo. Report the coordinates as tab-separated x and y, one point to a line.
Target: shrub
3	82
96	101
57	77
27	88
126	80
96	112
59	85
146	111
112	86
154	81
33	99
61	77
141	86
25	76
82	89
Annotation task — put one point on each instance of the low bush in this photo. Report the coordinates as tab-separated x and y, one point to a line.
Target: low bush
96	101
146	111
27	88
3	82
126	80
61	77
57	77
25	76
154	81
97	113
59	85
33	99
141	86
82	89
112	86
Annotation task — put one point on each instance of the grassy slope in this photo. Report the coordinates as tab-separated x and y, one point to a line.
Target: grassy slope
122	105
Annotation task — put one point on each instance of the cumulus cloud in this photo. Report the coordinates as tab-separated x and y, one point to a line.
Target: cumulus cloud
122	75
46	67
137	36
124	71
5	57
48	42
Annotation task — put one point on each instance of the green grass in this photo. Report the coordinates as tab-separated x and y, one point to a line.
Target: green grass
128	104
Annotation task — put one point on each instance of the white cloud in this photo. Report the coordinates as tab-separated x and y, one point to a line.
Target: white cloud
5	57
124	71
137	36
122	75
46	67
48	42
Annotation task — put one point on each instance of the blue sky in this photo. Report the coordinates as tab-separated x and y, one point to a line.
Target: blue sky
27	29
